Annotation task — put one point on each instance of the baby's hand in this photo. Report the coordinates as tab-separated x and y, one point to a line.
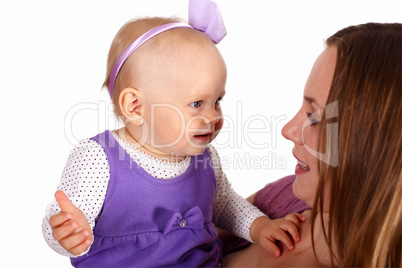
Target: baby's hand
70	226
266	232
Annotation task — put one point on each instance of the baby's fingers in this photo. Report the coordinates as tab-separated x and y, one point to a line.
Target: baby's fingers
271	247
77	243
63	231
77	251
293	230
296	218
59	219
282	236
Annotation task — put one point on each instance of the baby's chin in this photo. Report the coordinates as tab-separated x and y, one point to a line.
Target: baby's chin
197	151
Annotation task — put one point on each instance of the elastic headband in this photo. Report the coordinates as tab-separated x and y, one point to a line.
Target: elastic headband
203	15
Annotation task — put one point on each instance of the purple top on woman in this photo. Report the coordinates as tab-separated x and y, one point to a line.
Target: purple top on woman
151	222
277	199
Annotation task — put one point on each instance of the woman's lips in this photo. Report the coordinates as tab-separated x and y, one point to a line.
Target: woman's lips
301	167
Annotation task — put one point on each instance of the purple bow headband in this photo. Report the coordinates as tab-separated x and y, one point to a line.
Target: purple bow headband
203	15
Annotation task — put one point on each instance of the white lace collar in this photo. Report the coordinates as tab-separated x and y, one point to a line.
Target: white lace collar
156	167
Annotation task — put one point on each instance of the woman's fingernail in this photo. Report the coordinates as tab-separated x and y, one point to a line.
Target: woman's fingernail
86	233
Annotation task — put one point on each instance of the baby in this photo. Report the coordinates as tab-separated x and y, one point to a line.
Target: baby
152	192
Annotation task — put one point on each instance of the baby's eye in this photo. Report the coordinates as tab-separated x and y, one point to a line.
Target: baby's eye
196	104
312	119
218	101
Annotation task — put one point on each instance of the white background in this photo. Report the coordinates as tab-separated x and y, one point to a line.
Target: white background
53	58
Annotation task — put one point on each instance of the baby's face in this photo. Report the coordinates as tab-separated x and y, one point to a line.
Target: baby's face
185	84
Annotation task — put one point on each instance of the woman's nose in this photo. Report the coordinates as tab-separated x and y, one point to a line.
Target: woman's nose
292	130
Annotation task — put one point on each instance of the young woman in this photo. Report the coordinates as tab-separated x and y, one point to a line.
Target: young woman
347	142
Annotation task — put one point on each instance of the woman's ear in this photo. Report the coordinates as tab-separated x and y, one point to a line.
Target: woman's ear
130	104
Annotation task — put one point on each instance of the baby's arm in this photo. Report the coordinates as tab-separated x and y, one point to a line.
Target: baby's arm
234	214
84	181
70	227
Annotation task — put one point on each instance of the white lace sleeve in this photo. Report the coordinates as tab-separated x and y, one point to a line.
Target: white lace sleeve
84	180
231	212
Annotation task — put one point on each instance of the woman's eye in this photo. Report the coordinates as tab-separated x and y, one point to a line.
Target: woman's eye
312	119
196	104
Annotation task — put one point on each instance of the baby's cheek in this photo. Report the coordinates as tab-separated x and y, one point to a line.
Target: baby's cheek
219	124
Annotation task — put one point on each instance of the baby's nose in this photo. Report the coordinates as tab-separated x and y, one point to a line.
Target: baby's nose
212	117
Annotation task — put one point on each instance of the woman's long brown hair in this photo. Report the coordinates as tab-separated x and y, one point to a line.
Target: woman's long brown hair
365	223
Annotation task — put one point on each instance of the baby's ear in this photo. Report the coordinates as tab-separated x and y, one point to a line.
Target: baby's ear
130	102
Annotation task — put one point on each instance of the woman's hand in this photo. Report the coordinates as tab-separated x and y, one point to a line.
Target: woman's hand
70	226
266	232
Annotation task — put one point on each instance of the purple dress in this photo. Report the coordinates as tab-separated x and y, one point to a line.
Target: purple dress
148	222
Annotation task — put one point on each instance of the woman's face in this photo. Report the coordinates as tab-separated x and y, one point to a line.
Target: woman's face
303	129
